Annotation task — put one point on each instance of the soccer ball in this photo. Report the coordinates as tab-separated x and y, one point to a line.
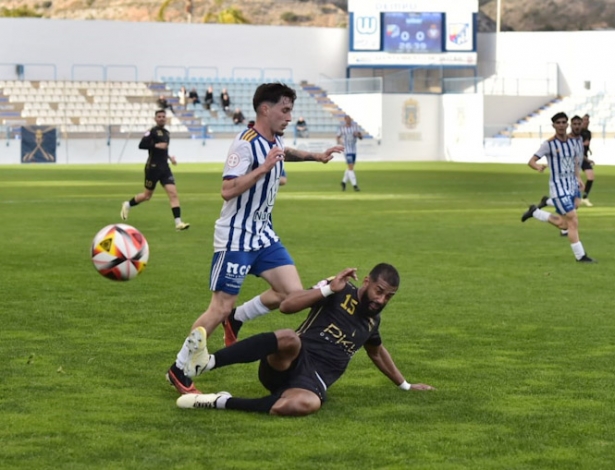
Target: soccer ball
120	252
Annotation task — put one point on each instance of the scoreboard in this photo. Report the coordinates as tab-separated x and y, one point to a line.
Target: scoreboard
413	32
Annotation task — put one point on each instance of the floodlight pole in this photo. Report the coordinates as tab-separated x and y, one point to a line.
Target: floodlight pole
498	24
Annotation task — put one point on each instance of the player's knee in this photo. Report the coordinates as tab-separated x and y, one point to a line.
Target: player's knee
296	406
288	341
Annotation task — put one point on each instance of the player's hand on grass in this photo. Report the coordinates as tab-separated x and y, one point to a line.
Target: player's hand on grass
339	281
422	387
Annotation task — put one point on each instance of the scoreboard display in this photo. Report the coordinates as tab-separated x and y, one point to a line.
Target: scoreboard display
414	32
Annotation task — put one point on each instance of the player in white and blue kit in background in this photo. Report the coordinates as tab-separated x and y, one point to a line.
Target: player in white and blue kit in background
576	126
347	134
244	239
562	154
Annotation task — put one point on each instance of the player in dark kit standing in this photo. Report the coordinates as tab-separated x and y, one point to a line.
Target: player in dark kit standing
587	165
298	367
156	142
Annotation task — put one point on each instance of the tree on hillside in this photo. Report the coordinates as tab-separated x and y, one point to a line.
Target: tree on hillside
19	12
219	12
188	9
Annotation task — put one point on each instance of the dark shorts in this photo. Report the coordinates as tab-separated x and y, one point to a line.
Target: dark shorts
154	174
585	165
300	375
351	158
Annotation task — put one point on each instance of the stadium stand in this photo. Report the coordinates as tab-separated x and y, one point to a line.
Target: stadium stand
91	108
83	108
600	106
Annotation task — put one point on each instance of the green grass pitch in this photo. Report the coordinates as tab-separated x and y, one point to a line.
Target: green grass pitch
516	336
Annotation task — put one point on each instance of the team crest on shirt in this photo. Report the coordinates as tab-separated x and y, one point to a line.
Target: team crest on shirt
410	114
232	160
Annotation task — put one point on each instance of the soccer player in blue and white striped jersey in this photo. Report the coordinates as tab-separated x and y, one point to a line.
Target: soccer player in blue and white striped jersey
576	124
244	239
347	134
563	159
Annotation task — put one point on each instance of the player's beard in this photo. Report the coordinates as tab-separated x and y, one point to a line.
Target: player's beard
367	307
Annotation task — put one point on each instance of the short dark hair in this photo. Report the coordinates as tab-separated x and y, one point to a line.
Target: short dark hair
576	117
272	93
159	111
586	115
560	115
387	272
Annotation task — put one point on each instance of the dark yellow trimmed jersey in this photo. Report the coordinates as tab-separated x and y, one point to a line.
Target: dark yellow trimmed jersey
157	157
335	330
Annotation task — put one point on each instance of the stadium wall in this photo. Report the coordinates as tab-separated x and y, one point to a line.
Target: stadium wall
414	128
89	50
365	108
96	151
580	56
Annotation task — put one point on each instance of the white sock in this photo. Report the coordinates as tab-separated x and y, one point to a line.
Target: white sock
182	355
345	178
251	309
541	215
221	402
550	202
352	176
178	220
577	249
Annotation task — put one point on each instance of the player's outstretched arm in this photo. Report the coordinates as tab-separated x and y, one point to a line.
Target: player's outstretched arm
384	362
300	300
294	155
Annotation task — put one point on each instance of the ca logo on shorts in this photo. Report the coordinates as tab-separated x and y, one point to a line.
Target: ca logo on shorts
235	269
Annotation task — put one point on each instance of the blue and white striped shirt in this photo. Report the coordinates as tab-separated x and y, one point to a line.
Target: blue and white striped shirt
562	158
245	222
579	142
348	137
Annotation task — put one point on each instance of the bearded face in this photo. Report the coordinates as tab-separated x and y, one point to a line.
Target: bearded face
375	296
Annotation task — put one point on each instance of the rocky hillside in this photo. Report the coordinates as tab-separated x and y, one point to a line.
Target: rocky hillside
517	15
552	15
271	12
